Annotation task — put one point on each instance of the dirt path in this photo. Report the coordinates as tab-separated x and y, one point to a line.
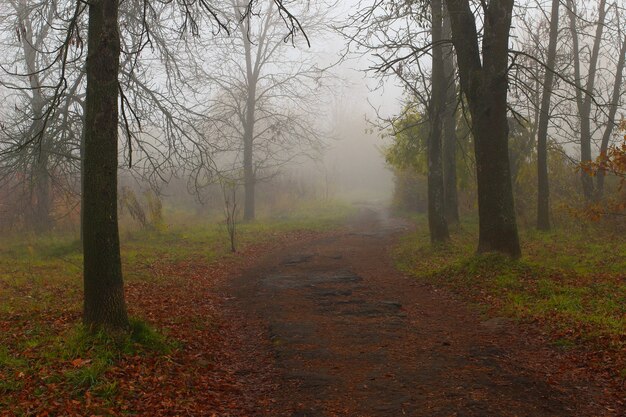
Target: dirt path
351	336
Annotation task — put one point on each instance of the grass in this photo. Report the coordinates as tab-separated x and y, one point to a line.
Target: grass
10	364
572	282
35	272
92	355
42	346
76	360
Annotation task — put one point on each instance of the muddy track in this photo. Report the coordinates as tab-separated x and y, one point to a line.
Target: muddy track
352	336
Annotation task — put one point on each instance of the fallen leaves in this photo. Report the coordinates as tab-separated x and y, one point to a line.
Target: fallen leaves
214	369
78	363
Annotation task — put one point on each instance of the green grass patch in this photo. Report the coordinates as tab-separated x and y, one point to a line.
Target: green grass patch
39	273
92	354
11	368
41	295
81	342
574	283
8	361
78	359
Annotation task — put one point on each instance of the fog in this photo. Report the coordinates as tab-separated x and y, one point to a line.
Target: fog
354	159
322	106
180	133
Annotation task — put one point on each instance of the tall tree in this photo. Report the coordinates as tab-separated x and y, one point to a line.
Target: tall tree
543	186
485	85
585	90
613	105
267	95
46	167
41	212
104	304
451	199
436	205
401	36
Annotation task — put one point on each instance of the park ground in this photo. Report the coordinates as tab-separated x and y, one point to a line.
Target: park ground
343	311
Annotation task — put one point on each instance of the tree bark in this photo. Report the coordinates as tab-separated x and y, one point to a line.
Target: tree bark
543	186
485	87
583	99
104	305
249	121
42	210
436	208
610	124
451	199
41	204
248	168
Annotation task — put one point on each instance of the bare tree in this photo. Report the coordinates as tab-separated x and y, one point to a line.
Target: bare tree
616	95
47	166
543	186
231	210
269	95
547	84
584	89
104	304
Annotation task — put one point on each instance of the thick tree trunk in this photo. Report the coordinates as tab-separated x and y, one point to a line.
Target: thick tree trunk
104	305
485	87
543	186
497	222
436	209
451	199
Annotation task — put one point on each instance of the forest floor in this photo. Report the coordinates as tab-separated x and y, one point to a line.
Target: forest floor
352	336
307	320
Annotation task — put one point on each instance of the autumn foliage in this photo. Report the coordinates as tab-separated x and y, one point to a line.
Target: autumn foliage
613	162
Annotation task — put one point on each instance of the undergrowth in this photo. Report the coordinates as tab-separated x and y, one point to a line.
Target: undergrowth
571	283
92	354
42	348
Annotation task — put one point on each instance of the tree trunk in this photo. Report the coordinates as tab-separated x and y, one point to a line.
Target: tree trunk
249	177
42	219
249	121
436	209
543	186
584	103
585	157
485	87
82	177
104	305
451	200
610	124
41	204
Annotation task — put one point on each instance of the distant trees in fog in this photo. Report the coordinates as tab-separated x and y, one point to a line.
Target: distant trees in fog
551	91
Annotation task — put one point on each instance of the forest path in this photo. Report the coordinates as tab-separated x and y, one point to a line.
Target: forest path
352	336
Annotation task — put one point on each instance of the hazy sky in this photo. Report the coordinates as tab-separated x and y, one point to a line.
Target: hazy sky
354	158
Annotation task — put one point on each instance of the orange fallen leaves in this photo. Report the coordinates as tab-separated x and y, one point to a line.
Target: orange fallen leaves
202	377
